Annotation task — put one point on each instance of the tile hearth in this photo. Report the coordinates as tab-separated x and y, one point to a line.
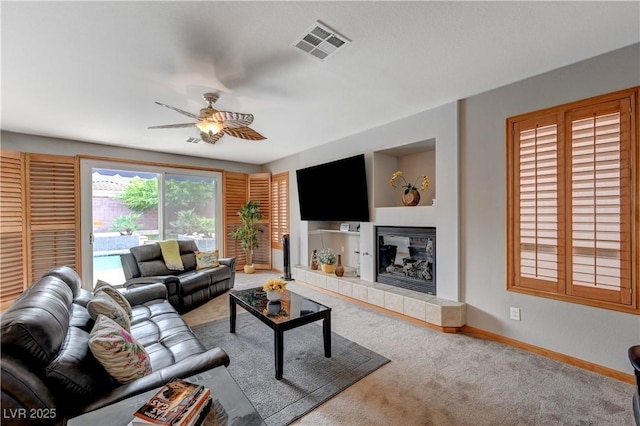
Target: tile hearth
447	314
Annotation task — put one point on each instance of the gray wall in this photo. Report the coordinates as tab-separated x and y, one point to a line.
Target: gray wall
45	145
596	335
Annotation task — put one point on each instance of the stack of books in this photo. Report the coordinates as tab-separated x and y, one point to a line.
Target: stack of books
178	403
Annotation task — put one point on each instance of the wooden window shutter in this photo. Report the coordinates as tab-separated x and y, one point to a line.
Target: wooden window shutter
537	205
52	200
572	211
599	256
259	191
13	252
279	208
235	195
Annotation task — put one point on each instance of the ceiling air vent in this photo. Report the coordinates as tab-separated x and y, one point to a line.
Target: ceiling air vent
321	42
193	140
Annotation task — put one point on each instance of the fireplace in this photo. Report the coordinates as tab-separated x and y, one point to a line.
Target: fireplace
406	257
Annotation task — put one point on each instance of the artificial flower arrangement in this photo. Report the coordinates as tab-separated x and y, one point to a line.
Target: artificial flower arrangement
327	256
426	181
275	284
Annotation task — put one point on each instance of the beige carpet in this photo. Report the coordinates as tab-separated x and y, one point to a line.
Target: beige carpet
449	379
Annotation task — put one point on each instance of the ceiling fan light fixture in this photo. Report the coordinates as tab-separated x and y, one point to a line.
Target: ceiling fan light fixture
209	127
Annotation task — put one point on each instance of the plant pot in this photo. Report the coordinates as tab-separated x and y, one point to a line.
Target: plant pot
273	295
327	269
249	269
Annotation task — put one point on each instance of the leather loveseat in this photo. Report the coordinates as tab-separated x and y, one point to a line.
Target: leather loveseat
49	374
188	288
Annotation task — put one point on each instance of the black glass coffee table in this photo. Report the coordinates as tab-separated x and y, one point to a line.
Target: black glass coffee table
293	310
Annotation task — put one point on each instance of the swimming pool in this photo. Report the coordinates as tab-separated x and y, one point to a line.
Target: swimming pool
108	268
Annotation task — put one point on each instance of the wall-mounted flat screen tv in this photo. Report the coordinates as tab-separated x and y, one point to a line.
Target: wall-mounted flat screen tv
335	191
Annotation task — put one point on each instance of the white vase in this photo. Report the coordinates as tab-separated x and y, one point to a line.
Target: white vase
273	295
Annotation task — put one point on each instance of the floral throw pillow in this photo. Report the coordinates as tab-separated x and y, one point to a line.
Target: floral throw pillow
124	358
103	304
207	259
114	294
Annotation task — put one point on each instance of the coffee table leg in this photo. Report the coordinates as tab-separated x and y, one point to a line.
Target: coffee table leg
326	334
232	315
278	337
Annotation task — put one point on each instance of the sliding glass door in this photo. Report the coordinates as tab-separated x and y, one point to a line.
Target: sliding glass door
125	205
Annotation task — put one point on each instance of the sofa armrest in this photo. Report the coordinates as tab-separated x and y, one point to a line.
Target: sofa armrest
634	357
138	295
228	261
187	367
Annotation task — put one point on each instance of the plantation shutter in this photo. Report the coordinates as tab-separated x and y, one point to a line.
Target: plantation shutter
235	193
12	227
52	213
259	191
600	202
539	209
279	208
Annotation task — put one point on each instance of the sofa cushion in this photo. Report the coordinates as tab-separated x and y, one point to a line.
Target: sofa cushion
75	372
35	326
113	292
149	260
103	304
69	276
207	259
188	250
79	317
194	281
164	334
124	358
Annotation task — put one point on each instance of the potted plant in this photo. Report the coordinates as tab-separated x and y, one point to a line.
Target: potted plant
247	232
411	195
126	224
327	259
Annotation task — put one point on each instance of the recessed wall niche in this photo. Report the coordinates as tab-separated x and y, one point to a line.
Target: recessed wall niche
413	160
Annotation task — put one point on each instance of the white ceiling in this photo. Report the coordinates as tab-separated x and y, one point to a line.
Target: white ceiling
91	71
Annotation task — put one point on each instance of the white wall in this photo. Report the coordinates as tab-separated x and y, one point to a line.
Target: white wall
592	334
440	124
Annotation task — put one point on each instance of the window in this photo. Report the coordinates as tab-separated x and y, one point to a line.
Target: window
571	203
127	204
279	208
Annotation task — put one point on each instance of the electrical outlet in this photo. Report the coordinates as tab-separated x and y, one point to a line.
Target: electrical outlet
514	313
342	249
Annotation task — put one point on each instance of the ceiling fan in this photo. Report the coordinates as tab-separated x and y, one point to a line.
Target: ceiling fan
214	124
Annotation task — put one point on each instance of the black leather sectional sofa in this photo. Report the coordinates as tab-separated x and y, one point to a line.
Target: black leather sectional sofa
48	372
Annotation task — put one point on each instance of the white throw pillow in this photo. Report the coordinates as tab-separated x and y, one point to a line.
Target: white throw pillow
114	294
124	358
103	304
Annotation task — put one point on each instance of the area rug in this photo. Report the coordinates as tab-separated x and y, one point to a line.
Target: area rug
309	379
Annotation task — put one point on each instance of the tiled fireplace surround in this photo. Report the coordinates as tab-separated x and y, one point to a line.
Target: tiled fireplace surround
446	315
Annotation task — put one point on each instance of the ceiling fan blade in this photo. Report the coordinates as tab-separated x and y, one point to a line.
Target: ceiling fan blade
211	137
172	126
232	119
244	133
188	114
